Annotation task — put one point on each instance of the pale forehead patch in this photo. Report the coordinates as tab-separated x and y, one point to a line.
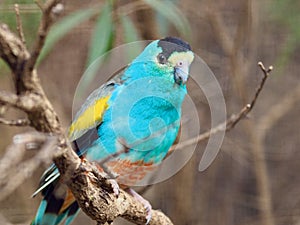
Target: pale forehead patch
178	56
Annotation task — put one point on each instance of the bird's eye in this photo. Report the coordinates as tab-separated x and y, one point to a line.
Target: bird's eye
162	59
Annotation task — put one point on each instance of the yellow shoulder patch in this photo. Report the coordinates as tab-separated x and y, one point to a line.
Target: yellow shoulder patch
91	116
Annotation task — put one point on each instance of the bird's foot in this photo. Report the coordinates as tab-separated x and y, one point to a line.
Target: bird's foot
146	203
115	187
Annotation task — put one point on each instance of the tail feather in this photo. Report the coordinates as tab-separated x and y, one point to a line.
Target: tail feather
69	214
58	204
58	201
72	213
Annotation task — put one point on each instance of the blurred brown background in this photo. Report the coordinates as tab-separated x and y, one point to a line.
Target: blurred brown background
254	179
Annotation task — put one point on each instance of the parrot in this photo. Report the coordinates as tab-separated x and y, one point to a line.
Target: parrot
127	126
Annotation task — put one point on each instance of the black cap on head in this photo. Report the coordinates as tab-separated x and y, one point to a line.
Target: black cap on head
173	44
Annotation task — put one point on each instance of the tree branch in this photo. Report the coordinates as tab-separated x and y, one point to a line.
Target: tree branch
11	48
234	118
19	25
17	122
45	24
95	196
10	99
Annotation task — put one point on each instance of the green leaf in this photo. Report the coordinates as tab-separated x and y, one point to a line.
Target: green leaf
130	32
101	42
171	13
130	35
163	24
103	34
61	28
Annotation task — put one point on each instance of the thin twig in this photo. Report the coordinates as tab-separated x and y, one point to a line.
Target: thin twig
24	103
229	123
19	24
7	98
17	122
262	83
260	165
44	26
233	119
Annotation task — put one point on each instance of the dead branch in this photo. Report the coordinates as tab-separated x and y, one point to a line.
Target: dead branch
30	95
231	47
46	22
10	99
17	122
19	25
11	48
234	118
229	123
100	203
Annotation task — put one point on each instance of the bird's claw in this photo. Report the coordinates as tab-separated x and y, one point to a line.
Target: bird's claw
145	203
115	187
149	213
148	209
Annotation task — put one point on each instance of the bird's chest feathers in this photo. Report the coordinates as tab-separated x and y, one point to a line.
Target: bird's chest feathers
143	116
142	110
149	101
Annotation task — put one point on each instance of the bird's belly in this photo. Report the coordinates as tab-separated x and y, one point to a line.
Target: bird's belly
129	173
131	145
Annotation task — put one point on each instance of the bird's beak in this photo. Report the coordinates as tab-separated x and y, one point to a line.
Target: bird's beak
181	72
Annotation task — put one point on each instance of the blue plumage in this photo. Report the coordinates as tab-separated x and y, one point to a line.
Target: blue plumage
134	117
